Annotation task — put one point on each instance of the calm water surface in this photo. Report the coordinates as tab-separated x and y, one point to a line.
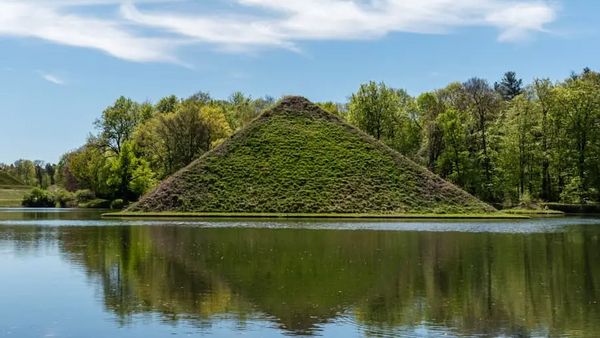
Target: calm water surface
72	274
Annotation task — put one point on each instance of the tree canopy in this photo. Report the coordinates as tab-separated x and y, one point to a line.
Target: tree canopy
498	142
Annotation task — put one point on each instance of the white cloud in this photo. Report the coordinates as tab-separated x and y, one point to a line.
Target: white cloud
146	31
54	22
52	78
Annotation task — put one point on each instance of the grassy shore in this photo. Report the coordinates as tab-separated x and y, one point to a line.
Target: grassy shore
534	212
308	215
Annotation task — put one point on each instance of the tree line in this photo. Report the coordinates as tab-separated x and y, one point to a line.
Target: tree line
502	142
32	173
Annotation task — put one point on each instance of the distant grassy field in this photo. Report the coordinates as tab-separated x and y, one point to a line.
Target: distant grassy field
308	215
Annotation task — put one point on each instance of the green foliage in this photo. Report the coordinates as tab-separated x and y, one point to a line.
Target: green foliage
24	171
39	198
373	107
65	199
118	123
336	109
130	174
84	195
88	166
510	87
167	105
387	114
117	204
526	201
95	204
496	143
173	140
297	158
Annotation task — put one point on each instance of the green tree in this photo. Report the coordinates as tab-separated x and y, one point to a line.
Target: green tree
521	152
89	166
543	91
24	171
509	87
117	124
579	108
373	107
454	159
483	105
40	170
171	141
167	104
430	109
334	108
130	175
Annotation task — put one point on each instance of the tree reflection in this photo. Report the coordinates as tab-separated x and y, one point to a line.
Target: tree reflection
473	284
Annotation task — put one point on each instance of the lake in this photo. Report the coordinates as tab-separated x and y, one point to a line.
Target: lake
68	273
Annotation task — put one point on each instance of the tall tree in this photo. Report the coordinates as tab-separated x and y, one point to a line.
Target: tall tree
39	171
483	102
543	91
520	147
579	103
510	86
130	175
117	124
167	104
24	171
373	108
430	109
453	160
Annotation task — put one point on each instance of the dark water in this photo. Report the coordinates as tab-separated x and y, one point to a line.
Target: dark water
71	274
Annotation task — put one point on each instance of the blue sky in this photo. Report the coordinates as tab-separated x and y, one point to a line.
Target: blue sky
63	61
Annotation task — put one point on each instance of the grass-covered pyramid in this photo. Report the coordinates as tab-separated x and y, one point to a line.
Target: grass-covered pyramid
6	179
297	158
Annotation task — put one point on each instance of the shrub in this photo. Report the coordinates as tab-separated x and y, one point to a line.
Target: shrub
38	198
525	201
117	204
96	204
65	199
85	195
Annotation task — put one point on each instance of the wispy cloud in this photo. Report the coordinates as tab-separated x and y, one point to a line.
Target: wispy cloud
147	31
52	78
9	69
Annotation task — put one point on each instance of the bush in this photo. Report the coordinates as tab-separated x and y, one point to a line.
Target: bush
95	204
38	198
526	201
117	204
65	199
83	196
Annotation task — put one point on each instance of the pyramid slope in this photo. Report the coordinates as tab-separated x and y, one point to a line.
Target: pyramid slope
6	179
297	158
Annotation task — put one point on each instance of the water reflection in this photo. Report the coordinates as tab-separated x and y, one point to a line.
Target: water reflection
384	282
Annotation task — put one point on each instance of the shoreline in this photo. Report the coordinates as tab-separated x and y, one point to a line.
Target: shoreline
308	216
